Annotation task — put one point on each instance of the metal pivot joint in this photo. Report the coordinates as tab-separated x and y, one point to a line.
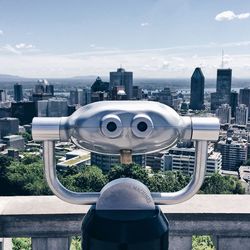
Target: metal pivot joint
125	128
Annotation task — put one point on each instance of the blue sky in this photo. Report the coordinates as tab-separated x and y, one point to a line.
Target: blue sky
153	38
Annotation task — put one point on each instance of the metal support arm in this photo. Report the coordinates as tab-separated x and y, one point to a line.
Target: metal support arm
159	198
57	188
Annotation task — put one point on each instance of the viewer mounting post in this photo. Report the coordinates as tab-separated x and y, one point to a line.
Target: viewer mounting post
125	206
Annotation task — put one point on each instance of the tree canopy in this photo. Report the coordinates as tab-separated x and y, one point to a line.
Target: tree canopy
26	177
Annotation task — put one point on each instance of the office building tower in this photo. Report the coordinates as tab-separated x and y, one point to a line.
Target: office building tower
223	88
122	78
8	126
18	92
234	153
197	90
245	98
49	89
99	96
154	160
165	97
223	84
24	111
43	91
86	96
73	97
234	102
99	85
3	96
42	108
57	107
137	93
241	115
39	88
224	114
183	160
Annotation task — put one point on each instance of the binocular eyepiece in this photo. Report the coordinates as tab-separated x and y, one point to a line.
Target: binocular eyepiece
111	126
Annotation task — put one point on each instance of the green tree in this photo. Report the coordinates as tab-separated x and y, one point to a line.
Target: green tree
218	184
21	243
5	185
167	181
27	178
131	171
27	136
202	242
90	179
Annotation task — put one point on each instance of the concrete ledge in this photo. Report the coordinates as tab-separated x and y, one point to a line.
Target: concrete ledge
47	216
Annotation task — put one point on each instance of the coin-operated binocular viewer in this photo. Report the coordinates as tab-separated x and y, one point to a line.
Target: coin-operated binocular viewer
125	214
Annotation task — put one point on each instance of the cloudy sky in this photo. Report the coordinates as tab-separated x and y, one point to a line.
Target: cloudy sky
152	38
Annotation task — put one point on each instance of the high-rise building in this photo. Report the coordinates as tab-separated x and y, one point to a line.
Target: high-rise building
234	153
57	107
73	97
223	84
234	102
245	98
223	88
49	89
99	85
43	91
2	95
122	78
24	111
8	126
183	159
197	90
224	114
42	108
241	115
165	97
137	93
18	92
80	96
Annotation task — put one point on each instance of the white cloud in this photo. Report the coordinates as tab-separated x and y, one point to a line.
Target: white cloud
10	48
1	32
24	46
144	24
163	62
243	15
230	15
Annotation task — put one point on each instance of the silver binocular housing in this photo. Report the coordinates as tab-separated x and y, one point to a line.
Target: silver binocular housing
108	127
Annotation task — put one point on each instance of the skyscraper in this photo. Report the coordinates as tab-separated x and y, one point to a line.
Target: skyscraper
245	98
223	88
197	90
18	92
122	78
241	115
234	99
2	95
234	153
224	114
224	82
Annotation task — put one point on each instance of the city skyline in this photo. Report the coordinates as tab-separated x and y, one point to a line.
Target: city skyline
153	38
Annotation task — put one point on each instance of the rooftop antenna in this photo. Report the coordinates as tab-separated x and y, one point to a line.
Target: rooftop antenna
222	59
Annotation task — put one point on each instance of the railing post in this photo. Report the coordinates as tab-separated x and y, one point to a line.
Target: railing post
5	244
50	243
180	242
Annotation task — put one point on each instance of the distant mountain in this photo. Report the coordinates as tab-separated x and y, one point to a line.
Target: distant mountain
11	78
